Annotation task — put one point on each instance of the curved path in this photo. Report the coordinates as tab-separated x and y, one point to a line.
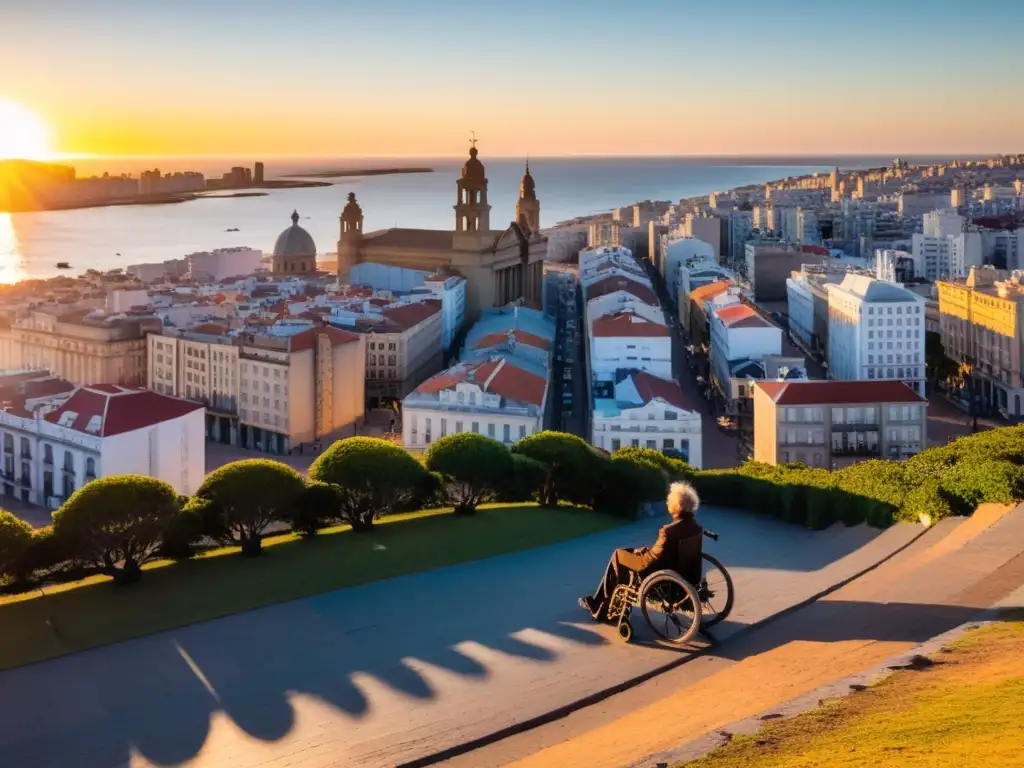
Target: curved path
393	671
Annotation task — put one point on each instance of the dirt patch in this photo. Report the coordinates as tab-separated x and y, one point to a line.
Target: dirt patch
964	709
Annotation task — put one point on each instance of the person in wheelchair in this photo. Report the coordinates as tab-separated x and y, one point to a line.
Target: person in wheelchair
678	548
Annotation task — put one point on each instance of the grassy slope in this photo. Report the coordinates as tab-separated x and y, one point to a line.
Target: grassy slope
966	711
92	612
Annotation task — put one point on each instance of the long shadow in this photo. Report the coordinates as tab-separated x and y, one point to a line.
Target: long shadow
158	695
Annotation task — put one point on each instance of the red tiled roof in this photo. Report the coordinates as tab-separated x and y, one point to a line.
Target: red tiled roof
213	329
742	316
838	392
628	324
815	249
512	382
650	387
705	292
408	315
307	339
521	337
479	371
47	387
620	283
119	409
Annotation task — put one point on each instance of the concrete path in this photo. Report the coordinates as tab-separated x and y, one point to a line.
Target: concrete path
392	671
941	581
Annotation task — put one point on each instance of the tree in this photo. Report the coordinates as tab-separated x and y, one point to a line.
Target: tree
628	482
15	538
318	506
374	477
116	523
240	500
571	465
472	465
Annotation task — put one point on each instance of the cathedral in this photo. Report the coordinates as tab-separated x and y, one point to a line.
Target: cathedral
500	266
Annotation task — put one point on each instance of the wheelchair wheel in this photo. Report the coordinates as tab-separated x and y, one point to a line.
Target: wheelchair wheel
625	630
671	606
716	592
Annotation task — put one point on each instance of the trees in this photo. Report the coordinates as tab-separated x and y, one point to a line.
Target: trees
116	523
373	476
15	537
571	466
472	466
318	506
627	483
238	501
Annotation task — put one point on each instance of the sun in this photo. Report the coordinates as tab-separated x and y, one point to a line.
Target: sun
23	135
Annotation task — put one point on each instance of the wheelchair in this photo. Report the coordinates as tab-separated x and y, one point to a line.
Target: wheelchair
672	607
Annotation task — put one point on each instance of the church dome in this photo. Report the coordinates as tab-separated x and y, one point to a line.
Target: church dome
527	188
295	241
473	169
352	207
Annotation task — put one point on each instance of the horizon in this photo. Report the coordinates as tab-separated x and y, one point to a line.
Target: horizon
405	80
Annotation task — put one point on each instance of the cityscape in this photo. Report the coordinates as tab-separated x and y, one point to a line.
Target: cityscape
332	499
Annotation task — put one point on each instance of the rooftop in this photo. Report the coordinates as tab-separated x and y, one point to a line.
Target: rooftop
617	283
742	316
710	290
512	379
105	410
628	324
816	392
870	289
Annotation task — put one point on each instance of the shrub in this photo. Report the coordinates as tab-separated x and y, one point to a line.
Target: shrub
184	531
375	477
627	483
570	466
525	481
240	500
15	537
926	503
675	469
116	523
472	466
970	483
316	507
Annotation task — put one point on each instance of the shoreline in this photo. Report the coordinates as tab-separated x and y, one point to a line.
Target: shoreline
353	172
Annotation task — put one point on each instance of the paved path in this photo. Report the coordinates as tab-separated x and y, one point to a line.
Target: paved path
941	581
391	671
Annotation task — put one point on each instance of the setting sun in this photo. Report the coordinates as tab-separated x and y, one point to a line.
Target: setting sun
23	134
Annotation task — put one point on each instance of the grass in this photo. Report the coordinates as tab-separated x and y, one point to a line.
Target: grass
967	710
93	612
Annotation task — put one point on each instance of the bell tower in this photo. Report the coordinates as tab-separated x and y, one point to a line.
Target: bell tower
472	212
351	237
528	206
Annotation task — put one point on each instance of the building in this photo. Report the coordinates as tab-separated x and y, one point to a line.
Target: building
294	252
739	334
876	331
264	392
808	231
82	347
768	267
807	304
946	256
500	266
642	410
694	316
740	227
626	340
689	254
502	397
60	445
709	228
222	263
832	424
981	322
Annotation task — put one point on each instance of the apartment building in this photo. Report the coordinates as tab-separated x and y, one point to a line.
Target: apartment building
642	410
629	340
83	347
946	256
876	331
981	321
404	347
54	445
264	392
770	265
807	304
683	254
832	424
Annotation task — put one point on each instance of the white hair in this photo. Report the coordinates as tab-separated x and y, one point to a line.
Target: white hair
682	499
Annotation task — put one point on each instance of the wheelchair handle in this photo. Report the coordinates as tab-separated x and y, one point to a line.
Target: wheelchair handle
711	534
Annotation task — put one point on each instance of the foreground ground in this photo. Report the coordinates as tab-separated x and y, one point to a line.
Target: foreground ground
967	709
81	615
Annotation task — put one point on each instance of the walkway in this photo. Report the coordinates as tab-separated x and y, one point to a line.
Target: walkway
391	671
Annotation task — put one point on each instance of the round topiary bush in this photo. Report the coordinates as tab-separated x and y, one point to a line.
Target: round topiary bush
570	466
374	477
240	500
317	506
116	523
15	538
473	466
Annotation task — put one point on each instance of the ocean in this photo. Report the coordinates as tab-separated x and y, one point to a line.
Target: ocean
31	244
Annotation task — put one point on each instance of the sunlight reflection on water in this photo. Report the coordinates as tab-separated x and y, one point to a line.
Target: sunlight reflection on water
10	258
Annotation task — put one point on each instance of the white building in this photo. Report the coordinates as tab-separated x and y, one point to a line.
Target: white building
876	331
451	290
741	227
119	302
100	430
1003	246
645	411
619	294
807	231
942	223
679	251
625	340
503	397
223	262
739	333
947	256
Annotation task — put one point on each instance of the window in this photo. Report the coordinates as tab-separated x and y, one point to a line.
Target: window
652	444
444	427
506	433
669	444
635	443
426	429
522	431
490	430
616	444
48	454
476	427
26	450
458	426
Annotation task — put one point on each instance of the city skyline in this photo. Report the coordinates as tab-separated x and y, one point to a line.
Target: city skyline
405	80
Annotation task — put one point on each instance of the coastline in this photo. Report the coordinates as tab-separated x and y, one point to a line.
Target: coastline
351	172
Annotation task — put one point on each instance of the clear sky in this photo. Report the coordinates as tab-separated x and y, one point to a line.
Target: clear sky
542	77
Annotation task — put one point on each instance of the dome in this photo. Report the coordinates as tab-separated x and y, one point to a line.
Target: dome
527	188
352	207
473	169
295	241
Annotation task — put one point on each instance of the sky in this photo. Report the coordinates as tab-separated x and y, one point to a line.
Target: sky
393	78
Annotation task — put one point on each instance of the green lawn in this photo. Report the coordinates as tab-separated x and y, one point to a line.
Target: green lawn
93	612
966	711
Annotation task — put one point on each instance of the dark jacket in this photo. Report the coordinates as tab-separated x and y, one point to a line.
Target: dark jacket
678	548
